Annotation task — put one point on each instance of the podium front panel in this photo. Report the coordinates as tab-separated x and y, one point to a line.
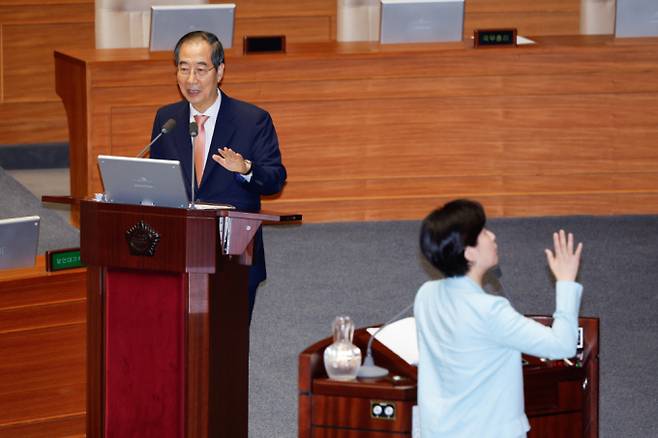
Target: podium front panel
144	354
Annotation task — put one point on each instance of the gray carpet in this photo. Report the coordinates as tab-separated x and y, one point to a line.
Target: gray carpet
16	201
371	270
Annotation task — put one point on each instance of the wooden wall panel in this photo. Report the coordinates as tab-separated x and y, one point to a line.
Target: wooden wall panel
28	63
370	132
539	17
504	132
296	29
560	23
298	20
42	339
299	8
32	122
29	31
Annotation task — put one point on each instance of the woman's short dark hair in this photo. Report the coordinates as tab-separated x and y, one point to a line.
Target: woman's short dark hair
217	55
447	231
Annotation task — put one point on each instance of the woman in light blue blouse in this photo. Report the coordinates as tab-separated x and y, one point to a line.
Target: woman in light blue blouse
470	379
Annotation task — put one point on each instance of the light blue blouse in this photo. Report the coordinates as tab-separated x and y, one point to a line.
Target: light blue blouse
470	377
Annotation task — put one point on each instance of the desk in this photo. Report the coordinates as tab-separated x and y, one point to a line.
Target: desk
42	340
560	400
372	132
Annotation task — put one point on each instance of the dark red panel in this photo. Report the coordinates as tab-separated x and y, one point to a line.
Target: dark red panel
145	346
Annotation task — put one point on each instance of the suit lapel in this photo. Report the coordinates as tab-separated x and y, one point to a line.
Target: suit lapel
222	136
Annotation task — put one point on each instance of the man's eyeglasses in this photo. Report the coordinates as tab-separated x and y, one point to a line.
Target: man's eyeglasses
199	71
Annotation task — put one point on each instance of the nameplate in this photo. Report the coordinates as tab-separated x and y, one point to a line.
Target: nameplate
61	259
494	38
264	44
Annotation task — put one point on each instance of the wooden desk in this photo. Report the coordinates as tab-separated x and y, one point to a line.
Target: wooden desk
560	400
42	340
371	132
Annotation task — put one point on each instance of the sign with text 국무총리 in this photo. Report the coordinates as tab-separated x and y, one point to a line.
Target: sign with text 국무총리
494	38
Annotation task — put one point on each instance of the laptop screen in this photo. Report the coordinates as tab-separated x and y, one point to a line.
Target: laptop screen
143	181
421	21
19	238
170	23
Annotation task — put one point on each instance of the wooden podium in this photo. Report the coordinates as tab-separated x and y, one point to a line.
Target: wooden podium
561	400
168	330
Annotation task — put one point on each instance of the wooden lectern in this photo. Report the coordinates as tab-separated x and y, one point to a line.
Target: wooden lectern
168	329
561	400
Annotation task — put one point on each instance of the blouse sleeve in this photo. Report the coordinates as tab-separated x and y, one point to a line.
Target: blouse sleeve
510	328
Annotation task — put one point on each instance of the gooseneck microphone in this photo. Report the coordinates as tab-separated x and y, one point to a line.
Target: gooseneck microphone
369	370
194	131
166	128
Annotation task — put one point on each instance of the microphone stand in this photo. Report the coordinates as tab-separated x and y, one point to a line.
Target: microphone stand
148	146
369	370
194	131
166	128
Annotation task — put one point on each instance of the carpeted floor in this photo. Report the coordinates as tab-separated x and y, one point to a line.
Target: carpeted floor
16	200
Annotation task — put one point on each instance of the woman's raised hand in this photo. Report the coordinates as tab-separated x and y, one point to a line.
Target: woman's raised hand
564	261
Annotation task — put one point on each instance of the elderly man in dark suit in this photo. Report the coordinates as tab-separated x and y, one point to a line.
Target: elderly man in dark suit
236	151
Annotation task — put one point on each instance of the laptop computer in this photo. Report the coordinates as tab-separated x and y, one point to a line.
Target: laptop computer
143	181
170	23
421	21
636	18
19	238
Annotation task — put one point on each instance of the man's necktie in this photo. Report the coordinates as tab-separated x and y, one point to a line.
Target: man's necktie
199	147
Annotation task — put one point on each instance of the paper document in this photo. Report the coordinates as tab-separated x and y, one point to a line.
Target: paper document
213	207
521	41
400	338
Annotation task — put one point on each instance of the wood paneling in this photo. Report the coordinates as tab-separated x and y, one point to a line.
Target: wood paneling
32	122
31	29
299	8
539	17
42	335
296	29
30	110
28	63
370	132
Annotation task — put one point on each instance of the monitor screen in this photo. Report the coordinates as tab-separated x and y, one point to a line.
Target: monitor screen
170	23
421	21
636	18
19	239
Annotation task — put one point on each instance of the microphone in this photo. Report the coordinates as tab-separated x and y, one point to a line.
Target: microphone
166	128
369	370
194	131
493	283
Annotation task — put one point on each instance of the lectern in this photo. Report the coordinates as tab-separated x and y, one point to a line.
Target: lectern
561	397
167	328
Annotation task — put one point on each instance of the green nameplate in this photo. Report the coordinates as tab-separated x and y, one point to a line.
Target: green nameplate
61	259
494	37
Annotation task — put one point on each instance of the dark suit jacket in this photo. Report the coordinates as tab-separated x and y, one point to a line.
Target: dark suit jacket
246	129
